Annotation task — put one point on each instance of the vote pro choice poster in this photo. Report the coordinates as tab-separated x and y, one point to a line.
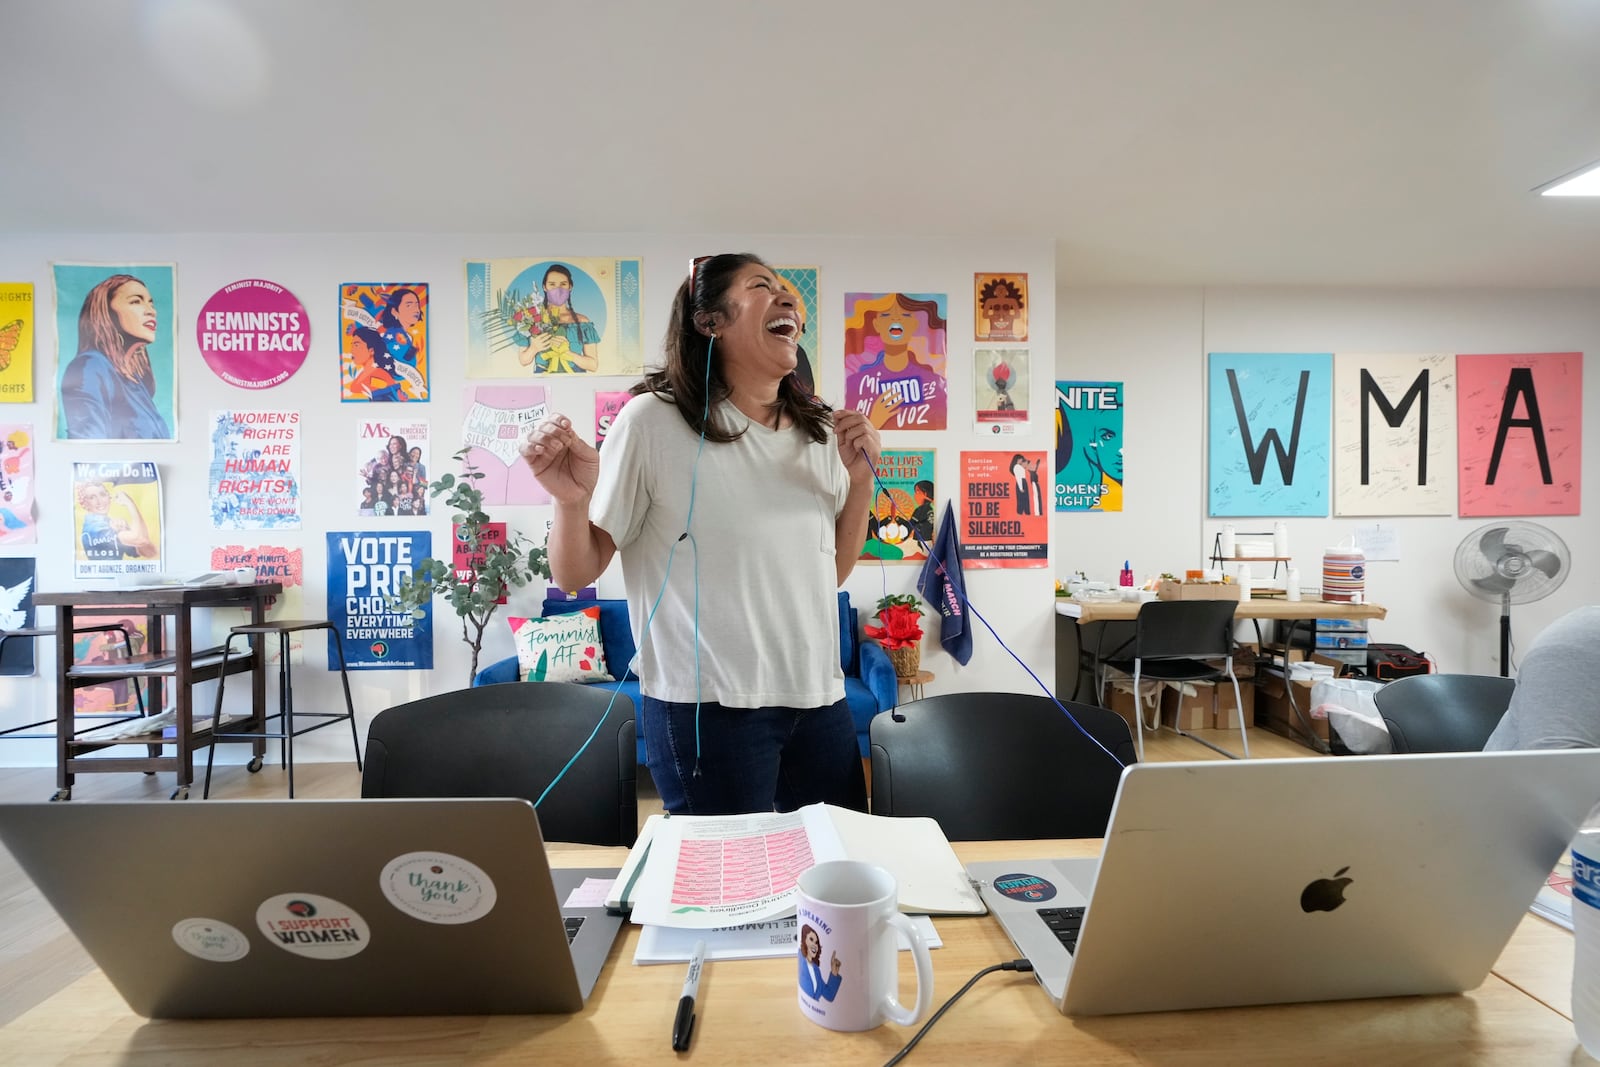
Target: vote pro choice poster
364	571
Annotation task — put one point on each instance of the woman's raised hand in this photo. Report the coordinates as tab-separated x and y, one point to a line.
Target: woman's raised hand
565	464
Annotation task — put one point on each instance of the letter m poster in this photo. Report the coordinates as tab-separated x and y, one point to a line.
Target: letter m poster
1270	433
1520	424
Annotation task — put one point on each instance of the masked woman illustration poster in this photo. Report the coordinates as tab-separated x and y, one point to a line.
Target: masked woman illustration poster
894	359
115	375
553	316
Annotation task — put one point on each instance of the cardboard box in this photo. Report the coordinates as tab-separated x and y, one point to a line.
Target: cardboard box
1226	715
1272	709
1170	590
1121	702
1210	707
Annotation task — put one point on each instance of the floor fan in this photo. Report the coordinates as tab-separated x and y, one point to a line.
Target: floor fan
1512	562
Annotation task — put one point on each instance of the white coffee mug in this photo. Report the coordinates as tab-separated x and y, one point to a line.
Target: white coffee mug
849	960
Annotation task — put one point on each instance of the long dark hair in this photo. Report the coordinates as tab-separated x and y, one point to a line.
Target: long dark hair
391	303
98	330
683	378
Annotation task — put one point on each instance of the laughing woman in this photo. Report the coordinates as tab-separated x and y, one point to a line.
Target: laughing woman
108	390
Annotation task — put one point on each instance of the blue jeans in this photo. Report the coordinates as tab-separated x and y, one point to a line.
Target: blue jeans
752	759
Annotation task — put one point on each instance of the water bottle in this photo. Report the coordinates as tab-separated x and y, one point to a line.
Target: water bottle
1586	932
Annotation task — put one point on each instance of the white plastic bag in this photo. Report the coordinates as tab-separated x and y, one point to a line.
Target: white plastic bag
1352	713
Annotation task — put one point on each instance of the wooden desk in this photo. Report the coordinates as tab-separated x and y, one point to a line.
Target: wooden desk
1087	611
155	603
748	1015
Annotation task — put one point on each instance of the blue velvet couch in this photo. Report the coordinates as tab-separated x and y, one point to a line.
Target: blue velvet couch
869	682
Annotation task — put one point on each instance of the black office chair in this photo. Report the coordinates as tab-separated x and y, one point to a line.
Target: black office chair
1443	712
512	740
1172	639
994	766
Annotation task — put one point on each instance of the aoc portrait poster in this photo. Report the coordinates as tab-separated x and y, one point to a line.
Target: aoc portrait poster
530	317
115	366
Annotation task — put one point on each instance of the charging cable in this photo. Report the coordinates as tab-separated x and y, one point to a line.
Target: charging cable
1009	965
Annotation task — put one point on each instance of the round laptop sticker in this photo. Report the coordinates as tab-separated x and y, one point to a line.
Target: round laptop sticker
317	927
437	887
210	939
1028	888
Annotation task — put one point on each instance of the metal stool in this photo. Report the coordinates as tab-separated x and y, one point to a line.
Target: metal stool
285	713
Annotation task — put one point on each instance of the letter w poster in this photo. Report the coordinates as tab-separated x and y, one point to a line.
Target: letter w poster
1270	433
255	470
1005	511
364	571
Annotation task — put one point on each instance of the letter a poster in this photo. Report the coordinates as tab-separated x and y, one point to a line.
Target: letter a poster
1004	510
364	571
255	470
1520	425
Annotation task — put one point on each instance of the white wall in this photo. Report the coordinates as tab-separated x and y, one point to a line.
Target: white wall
312	266
1155	340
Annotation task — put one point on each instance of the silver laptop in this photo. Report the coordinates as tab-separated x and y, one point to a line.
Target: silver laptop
244	909
1272	881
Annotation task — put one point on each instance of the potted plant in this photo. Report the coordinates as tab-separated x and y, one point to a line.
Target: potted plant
901	632
502	563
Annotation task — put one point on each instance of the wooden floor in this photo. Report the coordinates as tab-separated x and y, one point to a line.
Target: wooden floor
39	957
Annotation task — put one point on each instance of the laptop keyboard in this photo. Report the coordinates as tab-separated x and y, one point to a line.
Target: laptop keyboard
1065	924
572	922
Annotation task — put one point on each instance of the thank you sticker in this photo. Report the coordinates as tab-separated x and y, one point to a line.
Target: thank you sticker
210	939
437	887
317	927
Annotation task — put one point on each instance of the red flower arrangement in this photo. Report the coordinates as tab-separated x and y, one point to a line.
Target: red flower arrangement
902	626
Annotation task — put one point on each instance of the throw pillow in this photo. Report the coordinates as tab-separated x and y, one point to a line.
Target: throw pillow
561	648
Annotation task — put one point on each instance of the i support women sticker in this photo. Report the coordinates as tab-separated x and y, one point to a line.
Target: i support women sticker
210	939
437	888
317	927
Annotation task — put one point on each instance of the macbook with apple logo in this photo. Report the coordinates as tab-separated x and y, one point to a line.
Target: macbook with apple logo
1242	882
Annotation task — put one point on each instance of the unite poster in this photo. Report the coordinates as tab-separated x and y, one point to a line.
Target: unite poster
1004	510
117	516
1089	446
255	470
364	570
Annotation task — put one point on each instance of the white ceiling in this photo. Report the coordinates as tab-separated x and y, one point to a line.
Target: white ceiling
1386	142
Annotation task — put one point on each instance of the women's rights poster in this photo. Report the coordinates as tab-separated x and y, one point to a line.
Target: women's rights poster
117	516
553	316
383	341
115	370
17	524
1088	446
1004	510
272	563
16	342
364	571
900	520
392	468
894	359
1519	420
497	418
255	470
1000	384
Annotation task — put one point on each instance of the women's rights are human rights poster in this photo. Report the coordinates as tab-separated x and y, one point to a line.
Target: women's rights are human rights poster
364	571
529	317
115	371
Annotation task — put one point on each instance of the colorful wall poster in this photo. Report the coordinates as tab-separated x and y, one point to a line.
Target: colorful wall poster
901	515
116	377
553	316
1394	434
465	558
1519	420
254	333
606	406
1000	384
802	283
255	470
392	464
1089	446
117	516
272	563
1000	307
894	359
497	418
105	646
383	341
17	522
16	613
16	342
364	573
1004	510
1269	433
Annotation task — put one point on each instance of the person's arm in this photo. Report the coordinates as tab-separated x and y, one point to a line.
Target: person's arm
855	435
567	467
137	535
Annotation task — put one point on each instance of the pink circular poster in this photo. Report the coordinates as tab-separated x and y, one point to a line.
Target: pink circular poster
254	333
